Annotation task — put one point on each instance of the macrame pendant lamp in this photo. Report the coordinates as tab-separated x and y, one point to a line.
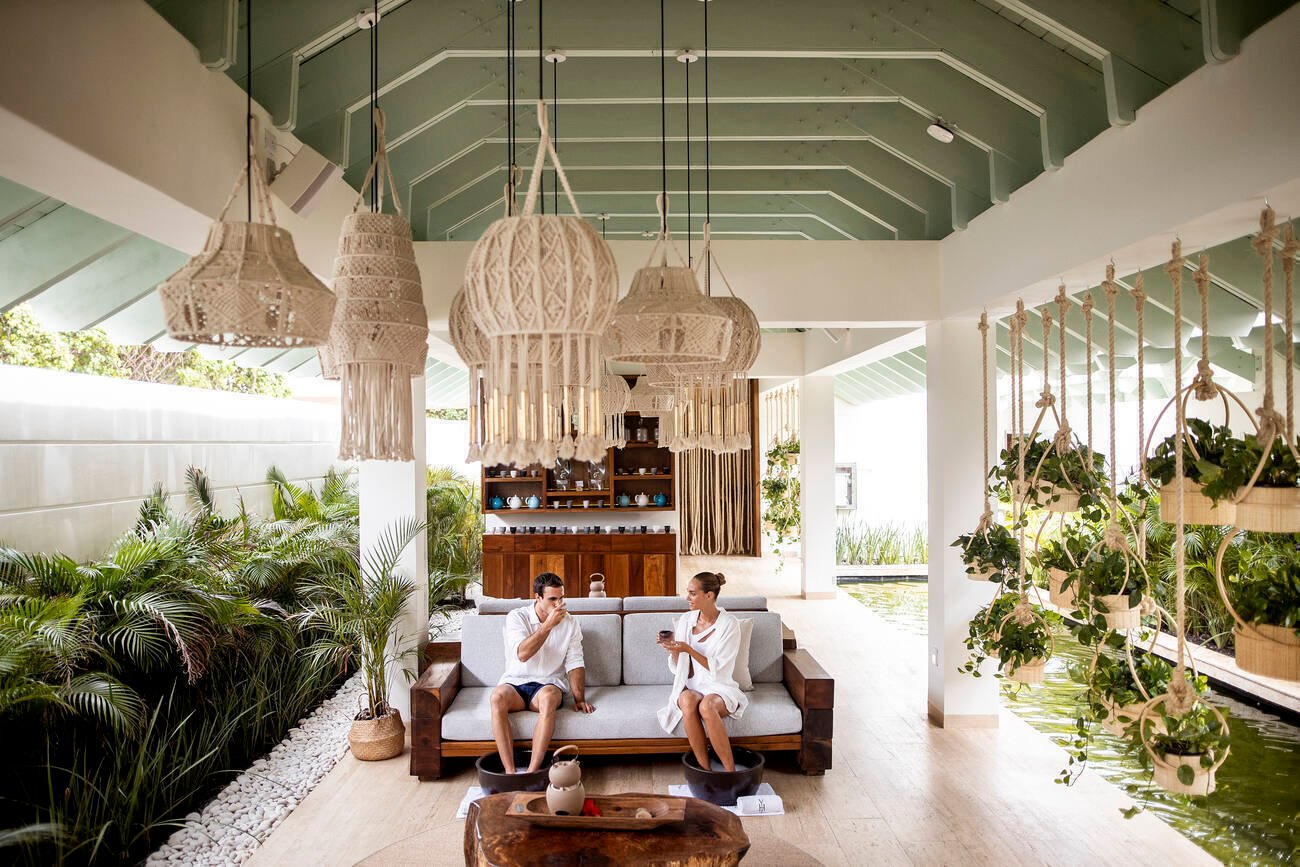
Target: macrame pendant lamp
247	286
379	339
614	399
472	347
542	288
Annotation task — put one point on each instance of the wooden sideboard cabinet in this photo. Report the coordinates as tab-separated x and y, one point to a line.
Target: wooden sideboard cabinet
634	564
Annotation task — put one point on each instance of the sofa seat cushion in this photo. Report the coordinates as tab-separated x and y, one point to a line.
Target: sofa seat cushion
621	712
645	662
483	650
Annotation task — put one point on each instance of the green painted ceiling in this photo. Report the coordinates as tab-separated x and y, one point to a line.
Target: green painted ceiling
1235	315
819	109
77	271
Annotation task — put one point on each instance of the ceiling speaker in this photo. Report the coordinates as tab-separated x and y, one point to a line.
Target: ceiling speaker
299	184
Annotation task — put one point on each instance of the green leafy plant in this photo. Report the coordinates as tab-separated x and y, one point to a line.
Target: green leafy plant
888	544
1203	452
983	631
1047	469
994	548
1265	584
1238	460
355	606
780	486
1195	733
1108	572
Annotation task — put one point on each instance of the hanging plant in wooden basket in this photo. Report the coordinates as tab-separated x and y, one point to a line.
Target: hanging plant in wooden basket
990	552
1264	602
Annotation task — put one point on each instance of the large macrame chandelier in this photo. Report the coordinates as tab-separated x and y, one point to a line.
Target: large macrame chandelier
542	288
665	319
711	407
247	286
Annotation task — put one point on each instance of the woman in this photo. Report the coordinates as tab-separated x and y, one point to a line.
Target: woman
702	655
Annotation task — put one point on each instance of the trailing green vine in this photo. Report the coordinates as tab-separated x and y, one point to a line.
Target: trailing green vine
781	514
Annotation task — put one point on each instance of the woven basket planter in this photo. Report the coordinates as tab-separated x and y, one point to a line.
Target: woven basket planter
981	573
1030	672
1058	499
1166	775
1119	612
1269	510
1271	651
373	740
1063	597
1197	508
1117	726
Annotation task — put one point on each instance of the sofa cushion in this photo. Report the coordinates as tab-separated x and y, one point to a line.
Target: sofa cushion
621	712
678	603
576	604
483	653
645	662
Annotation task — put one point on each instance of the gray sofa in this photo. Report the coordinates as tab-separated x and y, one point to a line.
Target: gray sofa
628	679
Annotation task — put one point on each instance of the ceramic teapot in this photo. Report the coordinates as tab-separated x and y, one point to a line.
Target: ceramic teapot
534	502
661	499
496	503
514	502
565	794
624	500
597	590
642	500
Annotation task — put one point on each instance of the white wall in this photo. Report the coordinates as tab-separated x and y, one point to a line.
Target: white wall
78	452
886	439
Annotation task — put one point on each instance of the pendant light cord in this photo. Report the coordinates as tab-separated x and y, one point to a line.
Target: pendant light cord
689	258
248	114
708	163
555	130
663	120
374	101
541	81
510	106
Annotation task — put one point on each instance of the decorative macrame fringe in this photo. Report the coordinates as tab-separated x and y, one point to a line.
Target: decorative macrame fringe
376	413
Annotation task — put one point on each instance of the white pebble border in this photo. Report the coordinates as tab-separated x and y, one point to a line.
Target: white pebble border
244	813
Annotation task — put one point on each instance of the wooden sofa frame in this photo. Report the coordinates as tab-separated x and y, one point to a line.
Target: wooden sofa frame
812	689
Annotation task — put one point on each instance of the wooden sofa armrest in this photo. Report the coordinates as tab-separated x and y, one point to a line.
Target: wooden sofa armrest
788	641
431	695
813	690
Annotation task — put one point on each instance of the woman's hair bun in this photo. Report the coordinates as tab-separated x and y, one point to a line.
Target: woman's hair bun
722	579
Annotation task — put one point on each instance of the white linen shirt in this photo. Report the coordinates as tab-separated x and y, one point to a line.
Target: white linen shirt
558	655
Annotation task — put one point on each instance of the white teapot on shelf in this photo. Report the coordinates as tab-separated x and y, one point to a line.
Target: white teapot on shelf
515	502
642	500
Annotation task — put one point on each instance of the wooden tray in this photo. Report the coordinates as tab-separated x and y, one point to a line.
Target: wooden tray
618	812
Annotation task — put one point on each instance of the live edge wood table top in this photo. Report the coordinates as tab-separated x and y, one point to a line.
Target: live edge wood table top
710	836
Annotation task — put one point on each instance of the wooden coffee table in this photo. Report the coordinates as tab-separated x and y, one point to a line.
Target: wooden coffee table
709	836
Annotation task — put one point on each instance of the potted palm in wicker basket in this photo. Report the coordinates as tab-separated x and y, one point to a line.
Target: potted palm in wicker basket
355	605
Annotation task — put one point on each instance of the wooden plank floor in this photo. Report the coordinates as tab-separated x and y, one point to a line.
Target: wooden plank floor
901	791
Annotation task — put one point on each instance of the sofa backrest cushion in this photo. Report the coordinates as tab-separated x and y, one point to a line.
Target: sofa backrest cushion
678	603
645	662
483	654
576	604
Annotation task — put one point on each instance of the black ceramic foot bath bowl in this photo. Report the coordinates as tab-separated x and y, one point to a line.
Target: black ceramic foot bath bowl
493	779
724	787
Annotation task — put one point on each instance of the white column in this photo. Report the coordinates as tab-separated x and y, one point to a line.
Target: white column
391	491
956	465
817	484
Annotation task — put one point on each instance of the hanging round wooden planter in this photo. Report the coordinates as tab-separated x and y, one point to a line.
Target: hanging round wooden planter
1119	612
1057	593
1166	775
982	572
1030	672
373	740
1197	508
1269	510
1058	499
1271	651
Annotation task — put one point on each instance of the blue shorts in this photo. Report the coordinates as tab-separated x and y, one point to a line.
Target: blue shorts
528	690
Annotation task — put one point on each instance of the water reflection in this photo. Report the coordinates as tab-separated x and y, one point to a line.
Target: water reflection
1253	818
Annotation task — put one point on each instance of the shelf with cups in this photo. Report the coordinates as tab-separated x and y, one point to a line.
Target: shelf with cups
643	477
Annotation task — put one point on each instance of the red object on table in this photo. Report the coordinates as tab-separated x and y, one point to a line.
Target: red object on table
589	808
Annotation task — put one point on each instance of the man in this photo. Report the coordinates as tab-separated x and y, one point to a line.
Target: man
543	646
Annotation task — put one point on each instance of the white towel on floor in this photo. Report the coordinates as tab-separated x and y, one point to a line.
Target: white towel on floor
764	802
472	794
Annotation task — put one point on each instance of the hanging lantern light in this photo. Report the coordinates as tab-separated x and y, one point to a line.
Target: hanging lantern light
542	288
614	399
247	286
379	339
472	347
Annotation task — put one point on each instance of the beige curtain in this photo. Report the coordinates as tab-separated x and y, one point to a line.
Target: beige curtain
719	497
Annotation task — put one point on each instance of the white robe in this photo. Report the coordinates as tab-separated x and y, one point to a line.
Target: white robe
721	649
